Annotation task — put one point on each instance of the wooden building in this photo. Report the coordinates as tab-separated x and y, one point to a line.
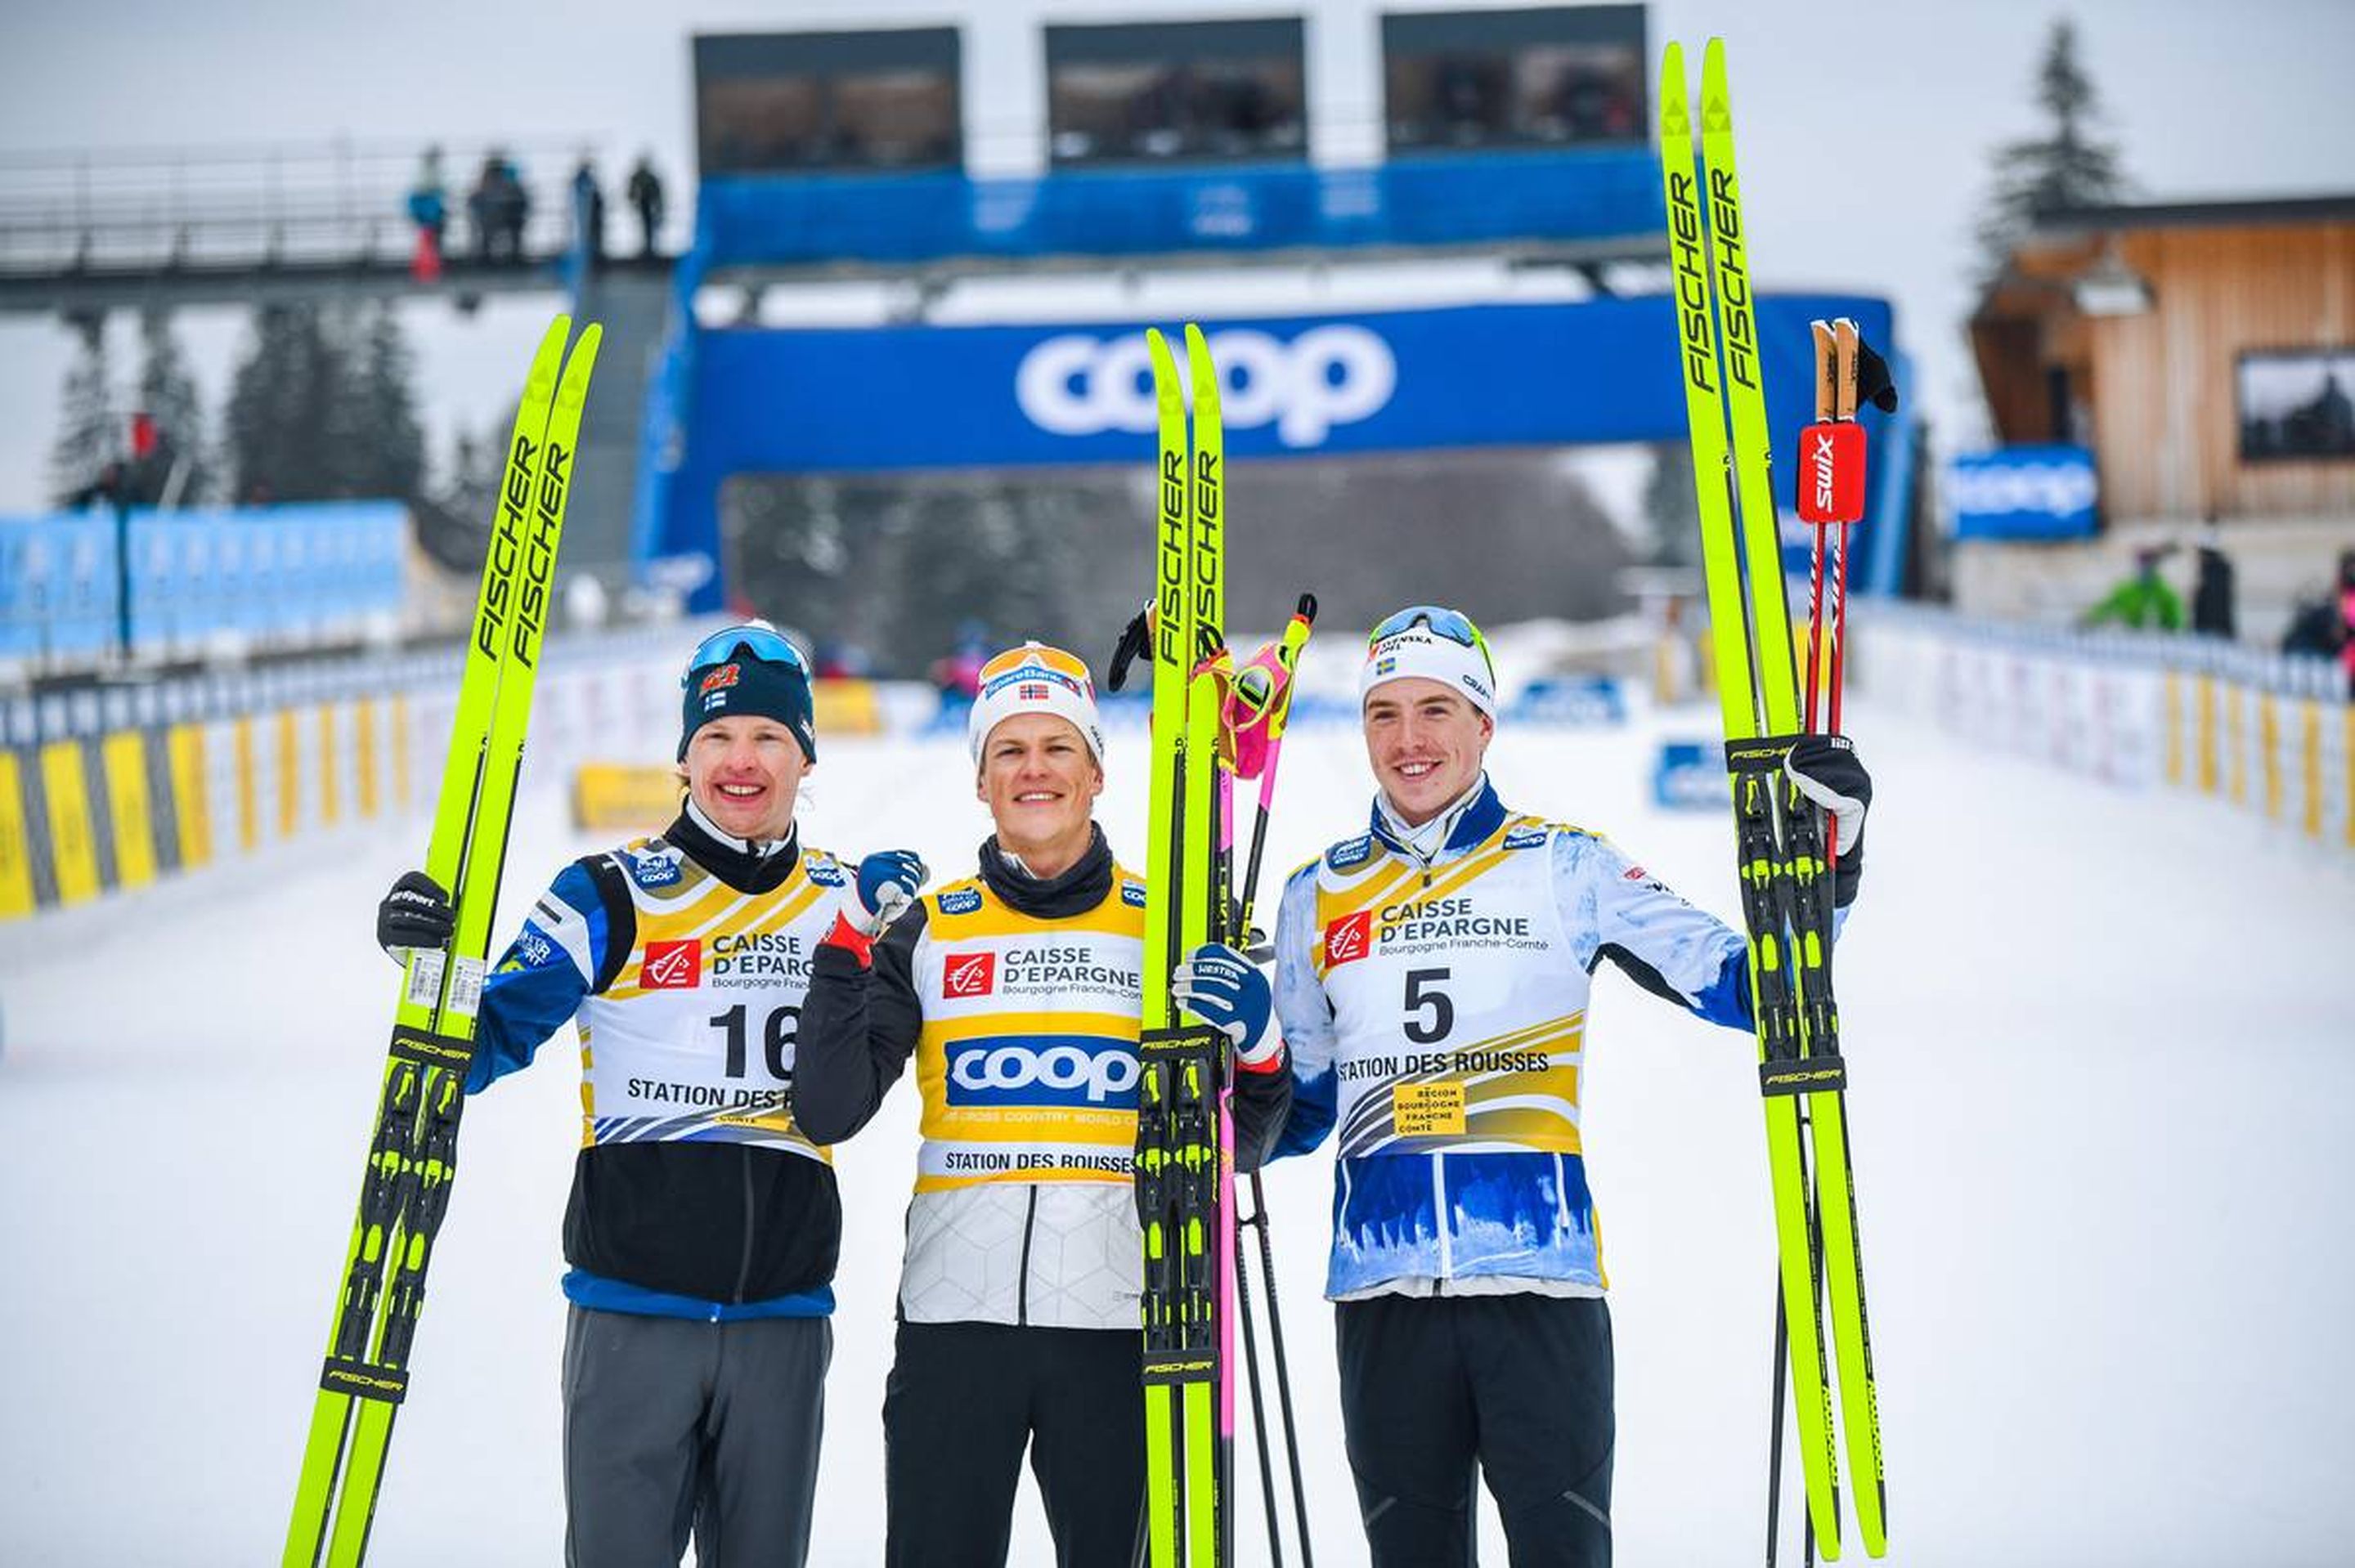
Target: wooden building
2205	354
2149	377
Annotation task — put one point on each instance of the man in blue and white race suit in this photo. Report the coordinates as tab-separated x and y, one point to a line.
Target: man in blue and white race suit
1433	979
703	1224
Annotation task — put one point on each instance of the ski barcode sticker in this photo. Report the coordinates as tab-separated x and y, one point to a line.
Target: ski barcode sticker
424	976
466	986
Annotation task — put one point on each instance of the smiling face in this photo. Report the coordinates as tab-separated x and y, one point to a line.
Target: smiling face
1425	743
745	772
1040	782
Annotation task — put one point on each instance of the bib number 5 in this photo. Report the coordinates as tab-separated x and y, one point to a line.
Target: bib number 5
1424	996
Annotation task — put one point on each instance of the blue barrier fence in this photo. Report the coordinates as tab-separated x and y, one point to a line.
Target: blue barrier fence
287	575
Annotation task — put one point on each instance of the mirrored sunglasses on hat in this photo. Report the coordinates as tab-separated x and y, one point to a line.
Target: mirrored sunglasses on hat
754	640
1452	624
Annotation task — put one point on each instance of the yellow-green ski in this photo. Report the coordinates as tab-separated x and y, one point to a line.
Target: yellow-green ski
412	1154
1808	900
1784	879
1182	1171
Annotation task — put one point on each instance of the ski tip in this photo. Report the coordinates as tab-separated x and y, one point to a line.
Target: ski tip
1676	117
1716	108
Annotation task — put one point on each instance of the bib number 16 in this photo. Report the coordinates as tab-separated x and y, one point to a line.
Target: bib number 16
776	1044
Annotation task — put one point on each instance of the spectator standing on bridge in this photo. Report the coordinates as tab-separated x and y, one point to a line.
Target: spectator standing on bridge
429	208
645	193
588	211
482	207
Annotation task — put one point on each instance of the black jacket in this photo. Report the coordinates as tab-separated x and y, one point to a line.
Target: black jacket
719	1222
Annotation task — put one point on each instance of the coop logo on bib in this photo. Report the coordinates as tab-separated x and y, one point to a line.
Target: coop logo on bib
672	966
1349	939
1068	1070
969	974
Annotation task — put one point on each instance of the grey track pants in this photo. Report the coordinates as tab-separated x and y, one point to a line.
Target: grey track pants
674	1426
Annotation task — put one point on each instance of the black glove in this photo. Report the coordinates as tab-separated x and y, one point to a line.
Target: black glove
415	914
1826	769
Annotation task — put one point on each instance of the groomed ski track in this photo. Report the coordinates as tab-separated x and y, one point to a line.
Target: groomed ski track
2101	1047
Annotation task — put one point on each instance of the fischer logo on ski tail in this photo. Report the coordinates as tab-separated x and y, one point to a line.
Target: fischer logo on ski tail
1831	472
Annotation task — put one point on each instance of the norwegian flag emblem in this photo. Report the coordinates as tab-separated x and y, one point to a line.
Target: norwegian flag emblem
1031	691
672	966
1349	938
969	974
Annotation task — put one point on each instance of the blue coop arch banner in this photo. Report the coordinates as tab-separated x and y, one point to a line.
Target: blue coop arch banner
756	401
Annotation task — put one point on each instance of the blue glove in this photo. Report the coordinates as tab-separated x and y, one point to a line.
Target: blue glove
888	880
1226	991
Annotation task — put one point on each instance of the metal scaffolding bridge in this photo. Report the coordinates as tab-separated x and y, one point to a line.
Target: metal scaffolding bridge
82	234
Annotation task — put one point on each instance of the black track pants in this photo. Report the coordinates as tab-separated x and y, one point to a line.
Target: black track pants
961	1404
1435	1390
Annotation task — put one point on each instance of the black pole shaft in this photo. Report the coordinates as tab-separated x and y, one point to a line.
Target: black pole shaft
1774	1436
1283	1372
1250	1371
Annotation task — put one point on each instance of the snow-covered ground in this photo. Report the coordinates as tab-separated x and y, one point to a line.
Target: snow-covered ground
2103	1049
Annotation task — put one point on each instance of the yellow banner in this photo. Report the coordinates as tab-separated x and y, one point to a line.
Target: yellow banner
191	795
249	791
125	757
73	850
15	844
608	795
845	708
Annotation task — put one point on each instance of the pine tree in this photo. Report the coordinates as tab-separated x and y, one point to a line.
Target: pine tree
90	427
386	441
167	393
2065	167
278	429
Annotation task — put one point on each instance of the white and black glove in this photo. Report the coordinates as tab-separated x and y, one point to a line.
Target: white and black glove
888	880
1826	770
1226	991
415	914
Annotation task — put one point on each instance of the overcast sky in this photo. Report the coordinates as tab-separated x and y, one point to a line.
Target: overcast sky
1865	128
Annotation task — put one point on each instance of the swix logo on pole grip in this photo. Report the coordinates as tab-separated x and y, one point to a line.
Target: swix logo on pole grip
1338	374
1831	472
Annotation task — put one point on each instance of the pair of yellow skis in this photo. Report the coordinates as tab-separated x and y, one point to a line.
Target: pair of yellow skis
413	1147
1784	870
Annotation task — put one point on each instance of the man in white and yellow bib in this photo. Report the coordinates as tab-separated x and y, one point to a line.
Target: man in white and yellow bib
704	1222
1019	993
1431	980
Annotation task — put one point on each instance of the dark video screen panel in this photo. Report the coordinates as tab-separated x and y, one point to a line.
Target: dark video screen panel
2297	404
1560	77
1177	90
787	103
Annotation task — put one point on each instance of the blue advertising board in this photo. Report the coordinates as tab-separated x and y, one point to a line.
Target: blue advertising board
2024	492
1603	194
753	401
